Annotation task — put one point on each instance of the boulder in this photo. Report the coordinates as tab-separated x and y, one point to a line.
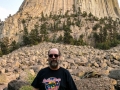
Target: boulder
96	84
16	84
117	86
3	79
2	87
115	74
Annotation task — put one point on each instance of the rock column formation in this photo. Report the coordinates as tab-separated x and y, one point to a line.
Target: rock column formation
99	8
13	27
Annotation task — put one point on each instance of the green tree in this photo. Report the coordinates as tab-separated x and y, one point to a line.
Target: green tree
90	15
14	46
79	10
43	32
1	53
84	14
96	37
23	21
80	40
96	26
60	38
34	37
42	17
43	29
54	38
73	8
68	39
26	39
4	48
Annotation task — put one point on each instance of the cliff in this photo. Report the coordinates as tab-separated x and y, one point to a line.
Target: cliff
31	9
99	8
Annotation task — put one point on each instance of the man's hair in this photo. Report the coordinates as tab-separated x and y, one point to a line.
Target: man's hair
58	51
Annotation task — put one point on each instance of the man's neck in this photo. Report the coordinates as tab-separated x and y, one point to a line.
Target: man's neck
54	68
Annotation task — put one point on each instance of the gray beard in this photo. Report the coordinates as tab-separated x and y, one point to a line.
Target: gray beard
53	64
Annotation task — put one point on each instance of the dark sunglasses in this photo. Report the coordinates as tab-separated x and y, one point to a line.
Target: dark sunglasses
55	55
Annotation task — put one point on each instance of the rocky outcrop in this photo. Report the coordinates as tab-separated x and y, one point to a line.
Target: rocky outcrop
83	84
84	63
99	8
16	85
31	10
96	84
115	74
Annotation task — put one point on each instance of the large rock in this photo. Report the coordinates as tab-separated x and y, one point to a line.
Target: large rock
2	87
115	74
82	84
117	86
96	84
7	77
97	56
3	79
16	84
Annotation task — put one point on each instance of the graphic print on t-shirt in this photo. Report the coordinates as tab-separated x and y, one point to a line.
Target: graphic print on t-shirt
52	83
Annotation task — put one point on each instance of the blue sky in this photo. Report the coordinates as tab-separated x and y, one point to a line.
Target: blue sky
119	2
11	7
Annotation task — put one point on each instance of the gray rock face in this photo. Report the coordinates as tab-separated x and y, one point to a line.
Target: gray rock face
95	84
31	10
99	8
115	74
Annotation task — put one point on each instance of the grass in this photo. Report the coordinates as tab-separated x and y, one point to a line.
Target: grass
29	79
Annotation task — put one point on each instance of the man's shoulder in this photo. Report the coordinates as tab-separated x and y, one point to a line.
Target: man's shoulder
44	69
63	69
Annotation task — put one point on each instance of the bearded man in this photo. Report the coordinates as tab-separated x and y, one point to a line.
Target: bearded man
53	77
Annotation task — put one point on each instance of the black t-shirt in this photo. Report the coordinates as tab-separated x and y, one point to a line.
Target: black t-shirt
48	79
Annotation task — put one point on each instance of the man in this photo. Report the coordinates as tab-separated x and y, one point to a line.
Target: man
53	77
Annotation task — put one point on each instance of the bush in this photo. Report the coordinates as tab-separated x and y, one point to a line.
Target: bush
1	53
26	87
84	14
29	79
96	27
4	48
23	21
14	46
103	46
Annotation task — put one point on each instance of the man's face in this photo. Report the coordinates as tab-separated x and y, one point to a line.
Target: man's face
53	58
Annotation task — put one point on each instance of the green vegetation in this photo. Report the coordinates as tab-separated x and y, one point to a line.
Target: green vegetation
108	36
105	31
84	14
29	79
96	26
26	39
23	21
14	46
8	48
26	88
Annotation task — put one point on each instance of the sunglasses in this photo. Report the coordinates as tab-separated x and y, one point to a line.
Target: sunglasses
55	55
